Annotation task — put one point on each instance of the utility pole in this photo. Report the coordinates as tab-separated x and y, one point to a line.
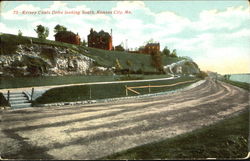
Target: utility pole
127	44
90	92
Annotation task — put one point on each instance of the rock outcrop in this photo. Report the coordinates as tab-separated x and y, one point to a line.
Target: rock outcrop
44	60
186	67
48	60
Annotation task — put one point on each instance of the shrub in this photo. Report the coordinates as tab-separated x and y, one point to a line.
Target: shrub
202	75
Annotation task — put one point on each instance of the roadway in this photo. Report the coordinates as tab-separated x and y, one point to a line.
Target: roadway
95	130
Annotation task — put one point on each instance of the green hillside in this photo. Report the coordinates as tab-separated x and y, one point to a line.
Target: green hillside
102	57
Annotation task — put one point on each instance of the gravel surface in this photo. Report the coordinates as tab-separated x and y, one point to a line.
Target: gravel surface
95	130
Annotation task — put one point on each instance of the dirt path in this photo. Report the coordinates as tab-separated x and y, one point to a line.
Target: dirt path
96	130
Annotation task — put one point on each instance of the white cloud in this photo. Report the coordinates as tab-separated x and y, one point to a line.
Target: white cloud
228	19
238	34
58	5
6	29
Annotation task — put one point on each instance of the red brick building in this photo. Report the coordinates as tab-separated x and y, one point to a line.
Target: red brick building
152	48
149	48
101	40
68	37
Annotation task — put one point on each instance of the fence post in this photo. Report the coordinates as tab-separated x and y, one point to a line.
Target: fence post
149	90
32	93
90	92
126	90
8	96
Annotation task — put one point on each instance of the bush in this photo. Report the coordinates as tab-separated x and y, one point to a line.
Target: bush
157	61
202	75
3	101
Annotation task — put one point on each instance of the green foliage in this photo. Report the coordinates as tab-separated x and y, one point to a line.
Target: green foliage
226	139
149	41
20	33
130	77
129	63
166	51
119	48
59	28
243	85
84	43
3	101
174	53
202	75
118	65
227	77
157	61
42	32
17	82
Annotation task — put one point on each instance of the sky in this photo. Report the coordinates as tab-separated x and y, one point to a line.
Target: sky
215	34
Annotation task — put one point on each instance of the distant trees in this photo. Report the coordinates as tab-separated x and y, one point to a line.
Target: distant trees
84	43
59	28
20	33
149	41
156	60
202	75
174	53
227	77
42	32
166	51
119	48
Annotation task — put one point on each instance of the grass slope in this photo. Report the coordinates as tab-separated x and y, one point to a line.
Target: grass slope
225	139
17	82
243	85
99	91
102	57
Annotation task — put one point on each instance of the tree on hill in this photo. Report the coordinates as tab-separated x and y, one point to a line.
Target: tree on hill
166	51
174	53
84	43
149	41
118	65
42	32
156	60
119	48
20	33
59	28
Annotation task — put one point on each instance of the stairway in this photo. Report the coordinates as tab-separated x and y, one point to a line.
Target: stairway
18	100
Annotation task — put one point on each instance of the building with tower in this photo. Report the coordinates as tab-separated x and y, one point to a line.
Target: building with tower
101	40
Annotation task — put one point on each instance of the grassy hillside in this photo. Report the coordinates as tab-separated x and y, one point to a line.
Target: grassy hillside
243	85
102	57
17	82
99	91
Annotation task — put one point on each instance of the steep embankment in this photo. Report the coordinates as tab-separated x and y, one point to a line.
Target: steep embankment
28	56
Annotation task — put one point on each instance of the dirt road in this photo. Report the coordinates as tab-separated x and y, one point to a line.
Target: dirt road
96	130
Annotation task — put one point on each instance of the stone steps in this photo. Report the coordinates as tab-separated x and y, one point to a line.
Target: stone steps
23	105
18	100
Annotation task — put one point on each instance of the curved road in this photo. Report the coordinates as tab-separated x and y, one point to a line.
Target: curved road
96	130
